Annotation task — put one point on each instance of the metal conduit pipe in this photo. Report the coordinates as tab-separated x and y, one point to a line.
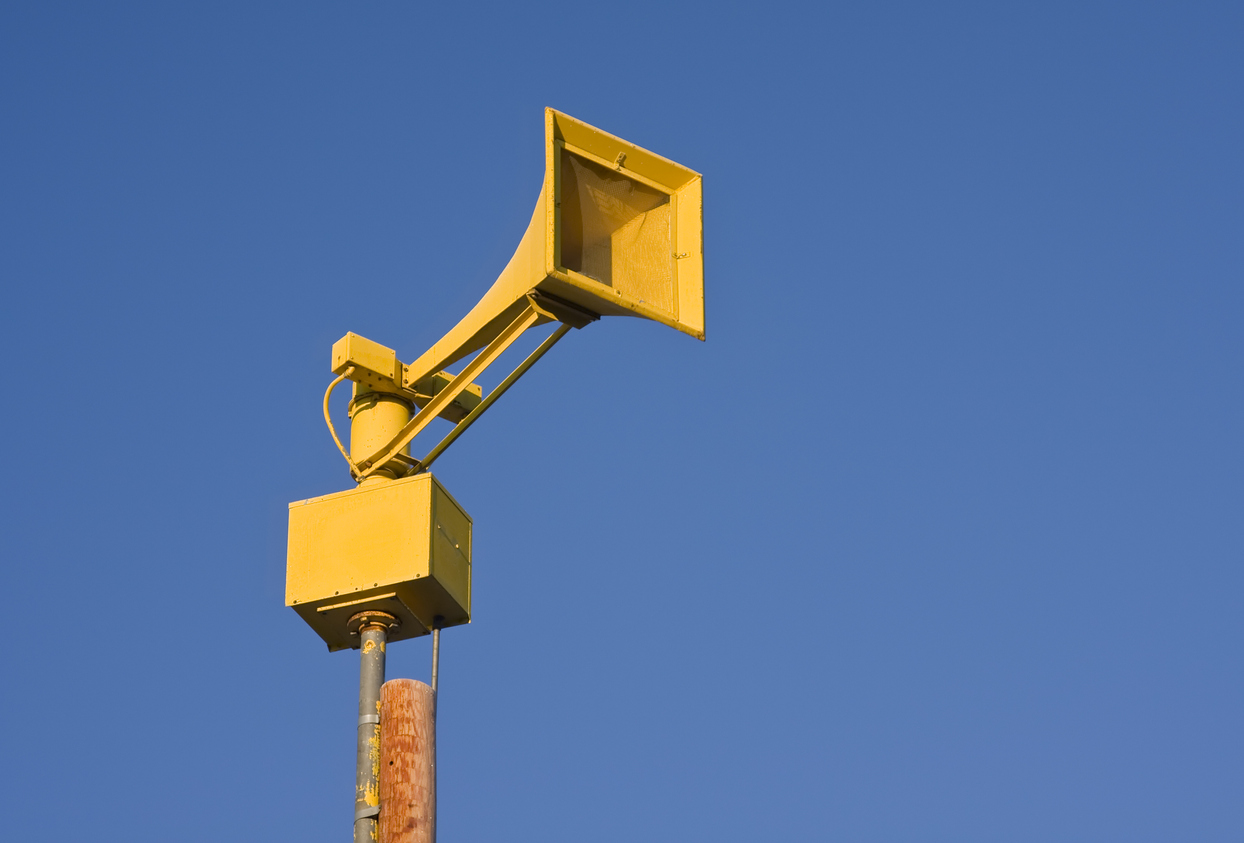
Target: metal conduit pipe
372	635
436	664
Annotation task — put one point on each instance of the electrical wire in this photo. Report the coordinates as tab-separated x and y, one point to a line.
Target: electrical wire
328	418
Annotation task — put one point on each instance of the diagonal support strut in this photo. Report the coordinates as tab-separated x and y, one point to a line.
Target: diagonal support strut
526	319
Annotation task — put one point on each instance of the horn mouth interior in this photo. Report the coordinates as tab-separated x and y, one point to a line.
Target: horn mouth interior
616	230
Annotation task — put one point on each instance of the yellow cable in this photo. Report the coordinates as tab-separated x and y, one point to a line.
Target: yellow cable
328	417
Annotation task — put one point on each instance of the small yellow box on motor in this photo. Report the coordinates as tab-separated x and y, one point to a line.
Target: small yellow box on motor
401	547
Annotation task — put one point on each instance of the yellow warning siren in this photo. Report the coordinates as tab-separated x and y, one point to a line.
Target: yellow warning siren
617	231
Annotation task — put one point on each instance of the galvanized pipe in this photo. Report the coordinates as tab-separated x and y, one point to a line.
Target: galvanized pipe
367	769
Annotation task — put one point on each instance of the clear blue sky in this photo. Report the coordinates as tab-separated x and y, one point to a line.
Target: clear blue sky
937	537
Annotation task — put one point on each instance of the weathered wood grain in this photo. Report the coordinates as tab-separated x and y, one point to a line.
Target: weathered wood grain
406	788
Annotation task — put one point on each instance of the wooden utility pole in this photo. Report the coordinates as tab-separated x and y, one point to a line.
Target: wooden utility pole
407	781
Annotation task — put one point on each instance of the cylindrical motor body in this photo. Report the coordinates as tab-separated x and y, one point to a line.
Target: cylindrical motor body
375	418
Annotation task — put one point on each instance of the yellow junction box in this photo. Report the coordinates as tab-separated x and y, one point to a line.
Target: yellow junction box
402	547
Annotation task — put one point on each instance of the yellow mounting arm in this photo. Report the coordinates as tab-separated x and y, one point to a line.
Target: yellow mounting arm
365	362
